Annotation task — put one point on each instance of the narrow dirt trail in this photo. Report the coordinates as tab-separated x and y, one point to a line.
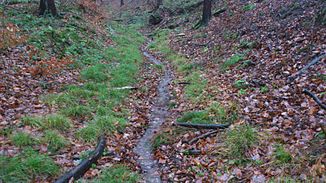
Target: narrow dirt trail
159	113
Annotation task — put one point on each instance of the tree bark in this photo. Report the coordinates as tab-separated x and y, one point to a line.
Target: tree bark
122	3
207	12
158	4
48	5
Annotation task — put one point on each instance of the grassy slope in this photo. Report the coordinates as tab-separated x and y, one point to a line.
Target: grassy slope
91	103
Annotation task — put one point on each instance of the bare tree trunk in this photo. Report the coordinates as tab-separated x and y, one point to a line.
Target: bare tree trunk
42	7
52	8
48	4
207	12
122	3
158	4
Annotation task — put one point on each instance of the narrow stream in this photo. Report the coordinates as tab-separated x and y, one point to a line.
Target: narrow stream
158	115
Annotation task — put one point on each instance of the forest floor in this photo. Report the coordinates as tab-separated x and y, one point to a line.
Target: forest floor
67	81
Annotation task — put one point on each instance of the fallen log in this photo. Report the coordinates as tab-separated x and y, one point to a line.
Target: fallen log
85	165
203	136
316	99
204	126
304	69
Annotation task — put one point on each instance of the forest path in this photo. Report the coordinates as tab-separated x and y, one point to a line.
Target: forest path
159	113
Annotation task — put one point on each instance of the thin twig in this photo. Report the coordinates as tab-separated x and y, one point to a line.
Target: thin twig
203	126
203	136
303	70
316	99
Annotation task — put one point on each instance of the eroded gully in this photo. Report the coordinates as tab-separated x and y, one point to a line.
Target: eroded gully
158	115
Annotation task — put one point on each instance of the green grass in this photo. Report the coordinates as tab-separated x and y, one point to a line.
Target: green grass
57	121
281	155
232	61
264	89
161	139
240	84
240	139
33	121
54	140
108	124
90	133
77	111
215	113
22	139
26	166
249	7
117	174
195	89
95	73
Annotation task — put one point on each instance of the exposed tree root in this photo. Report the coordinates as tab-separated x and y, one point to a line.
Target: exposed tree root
304	69
203	136
204	126
85	165
316	99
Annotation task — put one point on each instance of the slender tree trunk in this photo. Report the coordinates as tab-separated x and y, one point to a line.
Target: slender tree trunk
52	8
122	3
48	4
42	7
207	12
158	4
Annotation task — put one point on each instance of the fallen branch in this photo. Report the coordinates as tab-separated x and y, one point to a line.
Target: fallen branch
218	12
203	126
203	136
184	83
85	165
300	72
126	88
316	99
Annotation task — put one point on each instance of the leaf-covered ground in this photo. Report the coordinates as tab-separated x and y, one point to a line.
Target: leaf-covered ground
61	85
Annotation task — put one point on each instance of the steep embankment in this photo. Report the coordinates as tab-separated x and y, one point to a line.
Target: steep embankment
242	69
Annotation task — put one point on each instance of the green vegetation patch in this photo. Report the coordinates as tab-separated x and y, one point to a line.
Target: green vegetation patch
23	139
232	61
54	140
26	166
197	86
117	174
215	113
281	155
249	7
240	139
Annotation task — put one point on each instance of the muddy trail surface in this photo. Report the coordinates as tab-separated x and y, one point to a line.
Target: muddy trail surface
159	113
